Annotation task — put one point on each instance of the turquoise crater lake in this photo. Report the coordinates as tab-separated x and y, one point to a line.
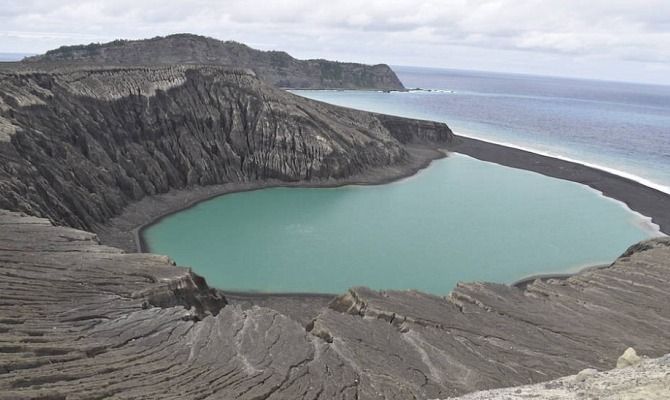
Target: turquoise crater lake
458	220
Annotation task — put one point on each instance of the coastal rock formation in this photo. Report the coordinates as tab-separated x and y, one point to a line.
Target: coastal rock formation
275	67
78	144
81	320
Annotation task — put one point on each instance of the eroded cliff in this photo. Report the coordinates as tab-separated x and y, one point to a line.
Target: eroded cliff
275	67
81	143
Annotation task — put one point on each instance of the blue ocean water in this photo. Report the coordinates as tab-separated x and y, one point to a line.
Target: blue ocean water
617	126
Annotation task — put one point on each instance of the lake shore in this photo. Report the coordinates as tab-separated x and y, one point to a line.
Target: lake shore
126	231
642	199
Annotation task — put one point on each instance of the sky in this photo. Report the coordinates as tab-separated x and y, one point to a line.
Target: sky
626	40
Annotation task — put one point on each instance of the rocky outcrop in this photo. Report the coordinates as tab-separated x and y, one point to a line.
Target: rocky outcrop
274	67
628	358
487	335
648	381
79	144
82	320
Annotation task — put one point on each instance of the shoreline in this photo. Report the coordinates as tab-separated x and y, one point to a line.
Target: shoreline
126	231
417	164
620	173
644	220
639	198
524	282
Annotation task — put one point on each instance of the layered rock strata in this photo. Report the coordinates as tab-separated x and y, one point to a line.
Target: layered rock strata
83	320
78	144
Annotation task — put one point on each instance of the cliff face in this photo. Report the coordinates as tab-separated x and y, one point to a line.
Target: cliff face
274	67
80	320
80	144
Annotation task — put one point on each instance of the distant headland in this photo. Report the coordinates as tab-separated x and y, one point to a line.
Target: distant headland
277	68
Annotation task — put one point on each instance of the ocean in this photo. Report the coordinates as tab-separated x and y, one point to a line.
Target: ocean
620	127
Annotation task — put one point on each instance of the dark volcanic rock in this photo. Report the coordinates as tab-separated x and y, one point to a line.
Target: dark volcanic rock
79	144
274	67
79	320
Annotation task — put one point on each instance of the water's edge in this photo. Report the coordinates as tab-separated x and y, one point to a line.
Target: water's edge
623	174
127	230
645	201
413	169
422	158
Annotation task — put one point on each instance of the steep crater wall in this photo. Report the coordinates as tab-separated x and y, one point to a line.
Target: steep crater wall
79	144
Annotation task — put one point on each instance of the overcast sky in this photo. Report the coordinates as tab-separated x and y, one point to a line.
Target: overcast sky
607	39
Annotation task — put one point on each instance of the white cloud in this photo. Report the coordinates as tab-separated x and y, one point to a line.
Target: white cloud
613	33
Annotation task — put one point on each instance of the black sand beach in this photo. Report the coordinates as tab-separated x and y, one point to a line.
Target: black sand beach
638	197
